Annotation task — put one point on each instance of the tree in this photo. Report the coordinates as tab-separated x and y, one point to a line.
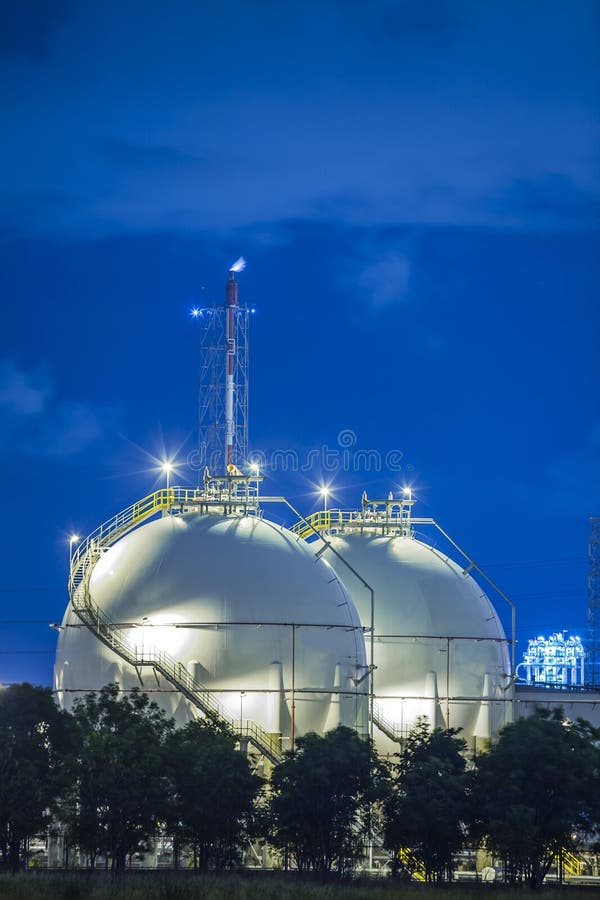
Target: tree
427	806
121	789
213	793
535	789
36	742
321	795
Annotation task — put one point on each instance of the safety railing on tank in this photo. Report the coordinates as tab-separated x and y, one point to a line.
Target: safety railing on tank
340	519
173	499
83	561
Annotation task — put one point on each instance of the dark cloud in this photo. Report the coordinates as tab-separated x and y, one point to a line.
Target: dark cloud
33	422
28	26
553	201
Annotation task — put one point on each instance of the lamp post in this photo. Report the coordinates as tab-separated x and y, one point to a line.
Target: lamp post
167	468
324	494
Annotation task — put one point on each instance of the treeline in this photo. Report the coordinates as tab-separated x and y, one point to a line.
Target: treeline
116	771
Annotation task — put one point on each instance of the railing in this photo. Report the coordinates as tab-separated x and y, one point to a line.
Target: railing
173	499
411	863
82	563
571	865
340	519
389	728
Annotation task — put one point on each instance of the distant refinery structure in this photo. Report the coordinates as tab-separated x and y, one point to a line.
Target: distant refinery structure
557	661
344	618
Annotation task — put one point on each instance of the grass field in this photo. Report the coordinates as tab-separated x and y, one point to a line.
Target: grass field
231	887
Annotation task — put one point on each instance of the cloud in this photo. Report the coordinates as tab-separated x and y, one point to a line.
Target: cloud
551	201
23	393
29	26
34	423
387	278
380	267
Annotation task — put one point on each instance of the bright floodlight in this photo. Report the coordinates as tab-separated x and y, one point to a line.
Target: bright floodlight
254	468
408	492
167	467
194	312
73	538
324	491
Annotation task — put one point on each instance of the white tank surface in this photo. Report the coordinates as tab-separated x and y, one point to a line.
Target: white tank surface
439	648
244	605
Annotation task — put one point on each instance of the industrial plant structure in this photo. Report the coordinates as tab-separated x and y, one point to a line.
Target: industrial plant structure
345	618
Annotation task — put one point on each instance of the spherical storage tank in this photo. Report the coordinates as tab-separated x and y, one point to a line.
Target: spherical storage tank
244	605
439	648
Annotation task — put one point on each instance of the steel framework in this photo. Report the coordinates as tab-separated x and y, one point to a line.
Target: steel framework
593	616
215	359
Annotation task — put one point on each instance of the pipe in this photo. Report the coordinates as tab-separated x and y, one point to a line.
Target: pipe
231	305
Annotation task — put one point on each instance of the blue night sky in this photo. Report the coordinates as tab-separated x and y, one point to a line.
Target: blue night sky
415	187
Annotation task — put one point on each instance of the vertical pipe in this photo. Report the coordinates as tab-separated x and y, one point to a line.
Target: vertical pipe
447	683
293	716
513	661
231	305
372	665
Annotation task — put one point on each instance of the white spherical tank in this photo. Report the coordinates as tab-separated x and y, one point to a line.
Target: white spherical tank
244	605
439	647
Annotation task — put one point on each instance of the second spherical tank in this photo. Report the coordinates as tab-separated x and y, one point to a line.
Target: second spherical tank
244	605
439	647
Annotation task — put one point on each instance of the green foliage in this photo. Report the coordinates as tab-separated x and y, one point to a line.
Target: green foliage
537	786
120	788
213	793
36	741
320	796
428	804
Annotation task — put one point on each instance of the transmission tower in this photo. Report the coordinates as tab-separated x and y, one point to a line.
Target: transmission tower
594	605
223	395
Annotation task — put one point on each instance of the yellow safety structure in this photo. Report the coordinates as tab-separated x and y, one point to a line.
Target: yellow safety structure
571	865
410	862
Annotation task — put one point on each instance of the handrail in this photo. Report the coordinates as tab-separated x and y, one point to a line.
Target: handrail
340	519
410	862
83	561
389	728
570	863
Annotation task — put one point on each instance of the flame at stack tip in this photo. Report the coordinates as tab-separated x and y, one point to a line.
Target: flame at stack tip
239	265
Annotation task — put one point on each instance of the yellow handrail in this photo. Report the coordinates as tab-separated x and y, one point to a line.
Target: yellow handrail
571	865
337	519
410	862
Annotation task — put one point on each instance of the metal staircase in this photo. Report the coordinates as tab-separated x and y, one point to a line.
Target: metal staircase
389	728
570	863
410	862
115	637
